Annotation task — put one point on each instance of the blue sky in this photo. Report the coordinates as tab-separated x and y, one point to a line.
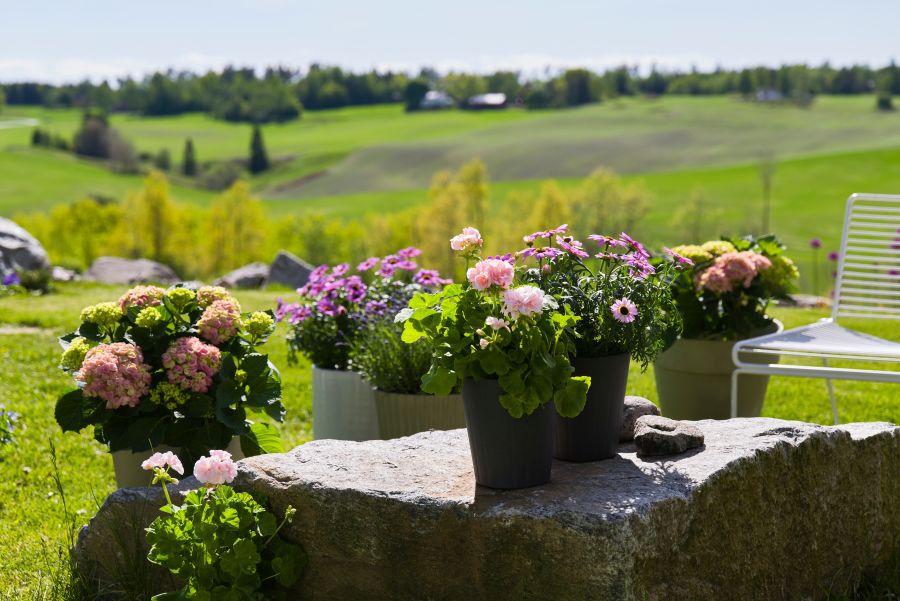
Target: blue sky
57	40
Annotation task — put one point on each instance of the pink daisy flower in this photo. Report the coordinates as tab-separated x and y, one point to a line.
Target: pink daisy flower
624	311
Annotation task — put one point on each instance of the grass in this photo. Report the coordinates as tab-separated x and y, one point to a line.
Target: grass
30	505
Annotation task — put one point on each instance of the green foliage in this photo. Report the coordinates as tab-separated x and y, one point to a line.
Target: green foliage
387	362
247	386
224	545
414	93
162	160
259	160
189	161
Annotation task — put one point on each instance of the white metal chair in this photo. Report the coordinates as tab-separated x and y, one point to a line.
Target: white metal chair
867	286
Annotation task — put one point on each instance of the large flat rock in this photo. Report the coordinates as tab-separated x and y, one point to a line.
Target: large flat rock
767	509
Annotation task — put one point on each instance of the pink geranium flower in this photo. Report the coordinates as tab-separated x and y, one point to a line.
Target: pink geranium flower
491	272
218	468
469	239
524	300
163	461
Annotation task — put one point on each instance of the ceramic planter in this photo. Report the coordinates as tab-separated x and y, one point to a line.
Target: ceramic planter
406	414
594	433
693	380
343	406
507	452
129	473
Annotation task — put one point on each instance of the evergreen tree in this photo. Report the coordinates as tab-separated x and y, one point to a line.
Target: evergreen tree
189	163
162	161
259	160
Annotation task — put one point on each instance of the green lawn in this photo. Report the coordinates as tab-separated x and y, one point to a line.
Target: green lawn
31	511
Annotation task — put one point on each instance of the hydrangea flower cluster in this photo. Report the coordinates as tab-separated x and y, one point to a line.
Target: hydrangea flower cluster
148	318
105	315
732	269
180	297
167	395
221	321
191	364
207	295
259	324
115	373
141	296
216	469
73	356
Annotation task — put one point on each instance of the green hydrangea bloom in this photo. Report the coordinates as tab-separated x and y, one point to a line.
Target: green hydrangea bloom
694	253
105	315
180	297
207	295
169	396
718	247
73	356
780	274
259	324
149	318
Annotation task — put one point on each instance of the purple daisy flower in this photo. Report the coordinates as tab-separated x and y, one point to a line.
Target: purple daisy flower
624	311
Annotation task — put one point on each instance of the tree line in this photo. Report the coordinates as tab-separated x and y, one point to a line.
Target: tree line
281	94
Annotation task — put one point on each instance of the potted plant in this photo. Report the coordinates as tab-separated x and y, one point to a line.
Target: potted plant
324	325
395	369
174	370
505	343
722	298
625	311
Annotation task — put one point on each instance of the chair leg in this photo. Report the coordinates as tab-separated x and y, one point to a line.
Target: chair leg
830	386
734	392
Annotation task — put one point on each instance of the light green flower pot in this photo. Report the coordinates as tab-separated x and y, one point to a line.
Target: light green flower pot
129	473
693	380
343	406
406	414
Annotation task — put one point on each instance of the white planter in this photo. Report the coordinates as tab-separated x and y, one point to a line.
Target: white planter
128	465
406	414
343	406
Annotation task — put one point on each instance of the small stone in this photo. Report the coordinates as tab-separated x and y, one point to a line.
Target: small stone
19	250
61	274
253	275
116	270
289	270
635	407
657	435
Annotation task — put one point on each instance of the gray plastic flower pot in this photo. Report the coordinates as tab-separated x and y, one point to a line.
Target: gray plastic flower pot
343	406
406	414
507	452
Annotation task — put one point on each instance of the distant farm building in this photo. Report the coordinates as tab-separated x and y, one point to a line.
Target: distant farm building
487	101
435	100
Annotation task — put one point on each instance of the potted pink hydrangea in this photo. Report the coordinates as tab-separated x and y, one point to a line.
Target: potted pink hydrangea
722	298
172	369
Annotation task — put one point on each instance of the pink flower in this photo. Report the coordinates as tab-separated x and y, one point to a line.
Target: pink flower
207	295
407	265
571	246
679	258
220	321
340	270
715	280
607	241
469	239
430	277
141	296
368	264
218	468
624	311
409	252
115	373
191	364
163	461
484	342
833	256
635	245
742	267
495	323
524	300
491	272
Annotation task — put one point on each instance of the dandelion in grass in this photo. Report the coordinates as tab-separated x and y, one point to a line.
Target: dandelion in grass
624	311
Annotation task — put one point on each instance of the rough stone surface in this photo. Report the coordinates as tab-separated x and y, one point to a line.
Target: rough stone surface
768	510
253	275
656	435
19	250
635	407
289	270
116	270
61	274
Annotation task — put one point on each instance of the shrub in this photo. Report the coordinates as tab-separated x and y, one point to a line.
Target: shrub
220	176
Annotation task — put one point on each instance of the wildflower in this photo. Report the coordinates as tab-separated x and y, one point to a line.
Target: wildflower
180	297
340	269
571	246
833	256
635	245
259	324
530	238
368	264
220	321
409	252
163	461
524	300
495	323
815	243
141	296
73	356
355	288
386	271
407	265
430	278
318	273
680	259
191	364
218	468
168	395
607	241
330	308
469	239
207	295
105	315
624	311
11	279
115	373
491	272
148	318
540	252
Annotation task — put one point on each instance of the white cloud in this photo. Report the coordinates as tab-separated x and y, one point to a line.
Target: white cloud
78	69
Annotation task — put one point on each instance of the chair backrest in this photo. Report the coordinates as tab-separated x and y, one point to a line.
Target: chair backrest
868	276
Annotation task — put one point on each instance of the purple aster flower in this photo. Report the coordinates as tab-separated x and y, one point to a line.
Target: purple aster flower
680	259
624	311
634	244
12	279
562	229
815	243
302	312
508	257
571	246
368	264
330	308
530	238
833	256
391	260
386	271
407	265
376	308
318	273
340	270
409	252
427	277
602	240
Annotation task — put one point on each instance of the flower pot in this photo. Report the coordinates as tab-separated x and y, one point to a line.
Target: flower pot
506	452
406	414
343	406
693	380
594	433
129	473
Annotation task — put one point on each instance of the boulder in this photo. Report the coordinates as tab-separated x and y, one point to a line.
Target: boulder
289	270
657	435
770	509
61	274
635	407
19	250
116	270
253	275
